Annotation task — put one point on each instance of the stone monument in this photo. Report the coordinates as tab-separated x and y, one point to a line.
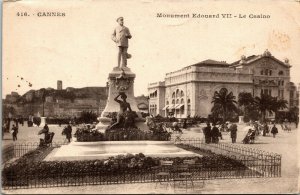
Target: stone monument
120	102
120	80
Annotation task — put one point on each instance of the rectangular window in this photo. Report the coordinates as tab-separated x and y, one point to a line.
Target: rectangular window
266	72
291	94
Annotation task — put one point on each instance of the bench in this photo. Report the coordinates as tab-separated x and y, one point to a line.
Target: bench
47	141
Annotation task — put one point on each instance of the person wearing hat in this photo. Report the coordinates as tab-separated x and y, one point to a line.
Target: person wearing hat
120	36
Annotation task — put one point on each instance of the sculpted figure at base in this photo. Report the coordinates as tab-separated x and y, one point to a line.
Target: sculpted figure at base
124	106
120	36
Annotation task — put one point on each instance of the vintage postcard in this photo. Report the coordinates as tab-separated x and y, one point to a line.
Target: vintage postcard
149	96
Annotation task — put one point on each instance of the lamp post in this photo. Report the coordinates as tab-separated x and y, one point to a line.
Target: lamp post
43	118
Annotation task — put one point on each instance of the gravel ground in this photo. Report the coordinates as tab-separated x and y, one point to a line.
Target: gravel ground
285	143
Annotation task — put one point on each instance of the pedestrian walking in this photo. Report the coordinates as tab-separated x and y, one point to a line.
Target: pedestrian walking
215	134
274	130
68	132
233	132
207	133
265	129
14	132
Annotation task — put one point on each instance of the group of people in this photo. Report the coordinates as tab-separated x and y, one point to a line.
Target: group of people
256	129
212	134
14	130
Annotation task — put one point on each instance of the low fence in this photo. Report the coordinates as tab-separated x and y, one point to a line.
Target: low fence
8	153
233	162
267	163
17	150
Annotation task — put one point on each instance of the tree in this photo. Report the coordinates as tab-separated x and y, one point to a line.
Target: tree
245	99
224	103
8	109
88	117
264	104
278	104
250	111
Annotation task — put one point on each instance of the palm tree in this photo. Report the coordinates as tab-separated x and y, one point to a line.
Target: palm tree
246	102
278	104
264	104
224	103
245	99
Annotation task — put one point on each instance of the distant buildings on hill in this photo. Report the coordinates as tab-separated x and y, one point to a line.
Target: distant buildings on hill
69	102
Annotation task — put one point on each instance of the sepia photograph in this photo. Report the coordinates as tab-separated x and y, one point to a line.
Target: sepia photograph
150	97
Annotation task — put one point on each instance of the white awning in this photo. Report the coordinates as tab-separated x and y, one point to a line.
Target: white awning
178	106
172	106
166	107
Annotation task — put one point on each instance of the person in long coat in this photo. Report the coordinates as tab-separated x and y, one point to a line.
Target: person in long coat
68	132
14	132
233	132
215	134
207	133
274	130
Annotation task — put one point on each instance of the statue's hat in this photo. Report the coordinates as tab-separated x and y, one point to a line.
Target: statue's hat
119	18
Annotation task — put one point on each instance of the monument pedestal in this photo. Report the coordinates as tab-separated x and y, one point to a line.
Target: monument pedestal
119	80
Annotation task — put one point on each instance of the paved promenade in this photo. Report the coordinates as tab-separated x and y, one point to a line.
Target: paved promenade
285	143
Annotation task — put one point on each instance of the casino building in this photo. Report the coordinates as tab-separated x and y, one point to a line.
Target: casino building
189	91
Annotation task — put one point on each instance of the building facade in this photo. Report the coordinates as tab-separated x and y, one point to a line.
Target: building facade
189	91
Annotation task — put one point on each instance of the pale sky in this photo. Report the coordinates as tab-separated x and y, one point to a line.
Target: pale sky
78	49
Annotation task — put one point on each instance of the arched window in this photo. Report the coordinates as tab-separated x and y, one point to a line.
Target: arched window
182	101
177	101
173	101
167	103
270	72
173	95
177	93
181	94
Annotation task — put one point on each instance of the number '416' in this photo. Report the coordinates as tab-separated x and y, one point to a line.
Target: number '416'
22	14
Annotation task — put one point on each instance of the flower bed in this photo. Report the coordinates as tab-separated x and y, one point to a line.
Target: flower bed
31	170
32	163
84	134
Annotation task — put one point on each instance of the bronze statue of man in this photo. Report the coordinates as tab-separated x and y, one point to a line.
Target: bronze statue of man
124	106
120	36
